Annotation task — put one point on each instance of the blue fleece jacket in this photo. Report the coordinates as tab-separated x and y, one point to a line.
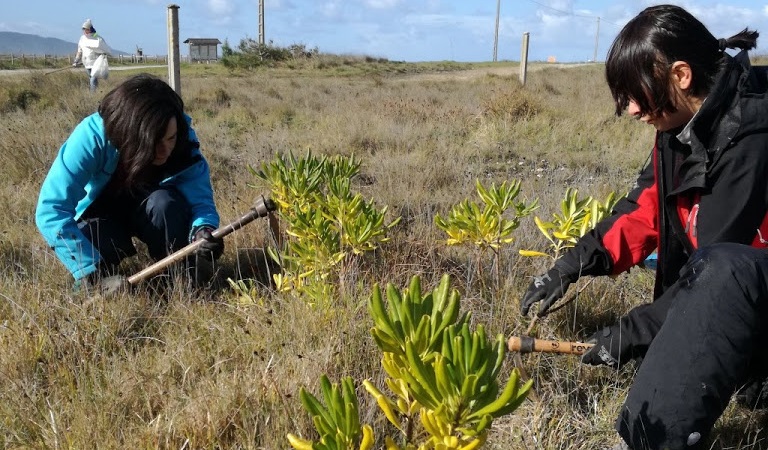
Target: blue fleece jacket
82	168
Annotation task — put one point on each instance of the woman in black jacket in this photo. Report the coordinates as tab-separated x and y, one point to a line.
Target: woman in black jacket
703	203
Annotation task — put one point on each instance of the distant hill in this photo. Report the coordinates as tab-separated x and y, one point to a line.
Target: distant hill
32	44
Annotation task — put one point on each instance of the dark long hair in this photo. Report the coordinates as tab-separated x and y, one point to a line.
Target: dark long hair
136	115
638	64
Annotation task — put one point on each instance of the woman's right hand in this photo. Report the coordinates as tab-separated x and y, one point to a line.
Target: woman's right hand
212	247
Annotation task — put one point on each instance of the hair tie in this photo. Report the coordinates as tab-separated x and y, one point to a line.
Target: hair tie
722	44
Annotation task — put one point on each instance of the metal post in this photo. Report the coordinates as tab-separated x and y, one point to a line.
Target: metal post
524	59
597	39
496	33
261	23
174	68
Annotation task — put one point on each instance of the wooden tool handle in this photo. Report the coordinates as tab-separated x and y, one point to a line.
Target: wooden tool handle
262	208
527	344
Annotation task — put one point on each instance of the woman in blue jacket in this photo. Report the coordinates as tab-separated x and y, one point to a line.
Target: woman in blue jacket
132	169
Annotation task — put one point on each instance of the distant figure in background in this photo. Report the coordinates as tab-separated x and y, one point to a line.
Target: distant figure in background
90	46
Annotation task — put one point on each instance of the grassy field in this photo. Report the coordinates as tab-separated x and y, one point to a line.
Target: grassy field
204	370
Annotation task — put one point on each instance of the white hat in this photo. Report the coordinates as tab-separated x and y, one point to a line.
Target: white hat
87	25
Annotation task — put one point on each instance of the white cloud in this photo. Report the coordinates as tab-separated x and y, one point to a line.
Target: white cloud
721	11
222	12
561	5
221	7
556	20
331	9
724	20
278	4
429	19
382	4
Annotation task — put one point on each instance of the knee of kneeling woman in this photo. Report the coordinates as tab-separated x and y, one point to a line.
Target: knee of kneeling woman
168	213
166	207
723	260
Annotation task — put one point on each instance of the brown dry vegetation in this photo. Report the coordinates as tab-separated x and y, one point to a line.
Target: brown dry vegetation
193	369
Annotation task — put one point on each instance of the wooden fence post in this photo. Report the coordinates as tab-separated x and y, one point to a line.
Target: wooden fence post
524	59
174	68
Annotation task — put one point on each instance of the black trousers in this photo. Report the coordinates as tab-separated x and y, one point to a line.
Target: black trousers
161	219
712	340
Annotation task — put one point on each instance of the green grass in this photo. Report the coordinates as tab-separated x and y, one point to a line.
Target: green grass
200	369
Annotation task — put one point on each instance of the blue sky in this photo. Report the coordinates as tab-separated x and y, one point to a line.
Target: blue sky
401	30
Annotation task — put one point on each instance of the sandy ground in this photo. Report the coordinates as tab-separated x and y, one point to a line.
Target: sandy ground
502	71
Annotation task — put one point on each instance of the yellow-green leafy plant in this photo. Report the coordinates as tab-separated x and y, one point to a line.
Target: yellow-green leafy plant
576	217
245	292
486	225
440	372
328	226
411	317
337	421
293	182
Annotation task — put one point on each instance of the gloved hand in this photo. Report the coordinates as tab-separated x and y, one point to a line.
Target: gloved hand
211	248
547	288
610	349
75	64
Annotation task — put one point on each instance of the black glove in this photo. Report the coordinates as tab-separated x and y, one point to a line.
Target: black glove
610	349
547	288
212	247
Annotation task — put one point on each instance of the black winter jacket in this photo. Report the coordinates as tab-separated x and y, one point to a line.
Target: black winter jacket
711	189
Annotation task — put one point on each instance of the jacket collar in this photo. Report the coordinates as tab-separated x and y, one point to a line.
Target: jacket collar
718	122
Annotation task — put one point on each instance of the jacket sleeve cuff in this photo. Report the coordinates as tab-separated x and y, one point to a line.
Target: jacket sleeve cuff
85	271
197	228
588	257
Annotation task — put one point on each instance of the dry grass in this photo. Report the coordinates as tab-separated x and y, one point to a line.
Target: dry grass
186	369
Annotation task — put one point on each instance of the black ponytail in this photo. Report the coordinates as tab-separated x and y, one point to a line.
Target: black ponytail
744	40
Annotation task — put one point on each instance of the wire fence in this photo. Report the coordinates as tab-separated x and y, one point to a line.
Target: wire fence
20	60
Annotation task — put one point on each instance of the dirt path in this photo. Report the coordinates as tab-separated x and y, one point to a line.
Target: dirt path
503	71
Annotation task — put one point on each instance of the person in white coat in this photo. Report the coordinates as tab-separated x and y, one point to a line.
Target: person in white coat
90	46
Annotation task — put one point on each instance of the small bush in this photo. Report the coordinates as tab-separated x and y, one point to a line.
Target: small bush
20	100
251	54
512	105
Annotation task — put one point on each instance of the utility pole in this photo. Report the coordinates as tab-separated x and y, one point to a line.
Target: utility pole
496	33
261	22
597	39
